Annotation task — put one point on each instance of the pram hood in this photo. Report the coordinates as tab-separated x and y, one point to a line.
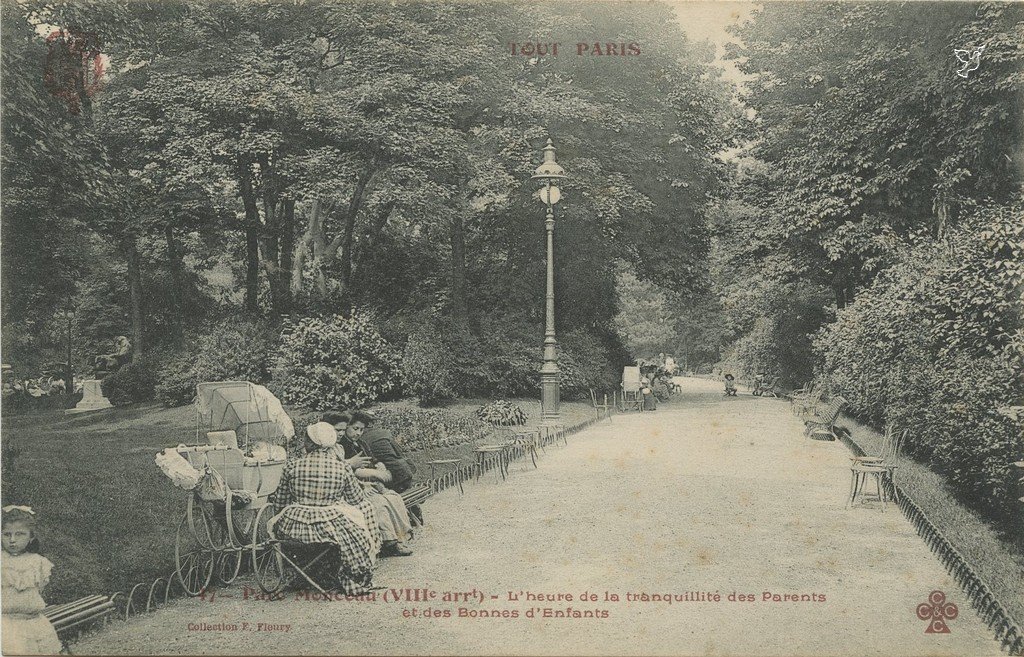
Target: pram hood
248	409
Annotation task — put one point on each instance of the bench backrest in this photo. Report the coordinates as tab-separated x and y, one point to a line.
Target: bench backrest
69	615
835	406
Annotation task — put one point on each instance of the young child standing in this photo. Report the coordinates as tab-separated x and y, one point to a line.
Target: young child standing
23	574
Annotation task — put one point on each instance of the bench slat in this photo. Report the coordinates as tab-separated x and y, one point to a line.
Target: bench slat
83	616
54	611
69	615
416	495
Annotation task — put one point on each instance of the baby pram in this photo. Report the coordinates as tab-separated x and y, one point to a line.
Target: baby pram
632	397
237	460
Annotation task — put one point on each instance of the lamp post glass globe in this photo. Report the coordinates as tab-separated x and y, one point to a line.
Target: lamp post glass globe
549	194
548	173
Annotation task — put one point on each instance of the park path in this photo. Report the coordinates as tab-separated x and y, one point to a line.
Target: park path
707	495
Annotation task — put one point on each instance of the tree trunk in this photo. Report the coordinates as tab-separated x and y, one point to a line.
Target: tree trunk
69	370
270	252
135	295
302	249
252	237
287	232
460	312
177	282
344	239
371	239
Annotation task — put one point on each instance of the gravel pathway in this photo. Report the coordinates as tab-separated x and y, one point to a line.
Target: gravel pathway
704	501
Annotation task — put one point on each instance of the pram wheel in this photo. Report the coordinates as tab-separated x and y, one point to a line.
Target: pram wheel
193	557
267	561
229	564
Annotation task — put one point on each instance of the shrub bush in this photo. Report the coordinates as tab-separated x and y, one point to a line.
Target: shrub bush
443	361
236	349
779	340
935	346
335	362
512	357
419	429
501	413
585	364
132	383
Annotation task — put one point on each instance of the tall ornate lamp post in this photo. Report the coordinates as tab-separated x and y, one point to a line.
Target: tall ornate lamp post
549	172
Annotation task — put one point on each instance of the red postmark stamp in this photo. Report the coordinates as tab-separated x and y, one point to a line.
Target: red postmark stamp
74	66
937	611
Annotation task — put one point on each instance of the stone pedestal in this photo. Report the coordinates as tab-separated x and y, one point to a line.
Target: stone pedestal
92	398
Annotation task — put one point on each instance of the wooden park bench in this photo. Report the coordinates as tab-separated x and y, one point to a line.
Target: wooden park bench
821	425
75	615
413	498
803	400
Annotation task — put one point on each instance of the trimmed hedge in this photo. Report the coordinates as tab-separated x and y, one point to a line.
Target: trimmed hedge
135	382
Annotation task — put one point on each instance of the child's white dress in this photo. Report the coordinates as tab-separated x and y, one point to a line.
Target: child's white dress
25	630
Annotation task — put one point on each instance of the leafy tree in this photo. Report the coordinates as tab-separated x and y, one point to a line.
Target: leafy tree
867	132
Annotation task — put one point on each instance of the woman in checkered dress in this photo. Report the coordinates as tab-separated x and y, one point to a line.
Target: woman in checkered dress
321	501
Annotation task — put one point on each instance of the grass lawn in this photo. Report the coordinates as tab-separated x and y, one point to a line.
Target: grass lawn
107	513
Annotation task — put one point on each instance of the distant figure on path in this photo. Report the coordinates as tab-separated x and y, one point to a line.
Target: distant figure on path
730	385
650	402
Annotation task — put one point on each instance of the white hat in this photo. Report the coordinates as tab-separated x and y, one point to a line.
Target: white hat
322	434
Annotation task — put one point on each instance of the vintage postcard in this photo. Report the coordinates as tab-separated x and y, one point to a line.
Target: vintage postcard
451	327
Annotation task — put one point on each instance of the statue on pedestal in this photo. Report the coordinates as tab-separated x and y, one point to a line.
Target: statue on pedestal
106	363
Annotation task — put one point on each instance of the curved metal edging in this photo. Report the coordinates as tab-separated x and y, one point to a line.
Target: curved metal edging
127	602
150	600
131	607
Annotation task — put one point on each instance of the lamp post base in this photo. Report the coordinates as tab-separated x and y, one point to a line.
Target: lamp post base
550	398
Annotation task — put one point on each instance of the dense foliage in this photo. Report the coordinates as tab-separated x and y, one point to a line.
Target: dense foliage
936	345
867	132
237	350
377	167
862	136
875	209
441	361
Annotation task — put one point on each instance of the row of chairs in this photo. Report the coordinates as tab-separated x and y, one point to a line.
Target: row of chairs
820	418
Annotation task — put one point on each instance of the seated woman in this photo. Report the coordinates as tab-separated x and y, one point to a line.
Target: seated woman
650	402
392	515
730	385
323	502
